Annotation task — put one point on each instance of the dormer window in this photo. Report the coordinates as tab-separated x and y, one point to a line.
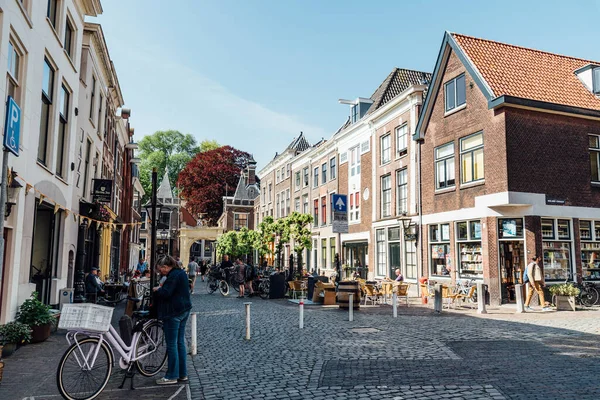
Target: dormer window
596	80
589	75
354	113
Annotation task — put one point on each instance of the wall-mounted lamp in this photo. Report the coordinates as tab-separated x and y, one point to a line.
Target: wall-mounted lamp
410	233
12	196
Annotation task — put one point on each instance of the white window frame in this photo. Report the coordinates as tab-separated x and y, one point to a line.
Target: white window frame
355	161
595	153
385	147
236	225
402	140
401	191
386	196
454	83
444	160
471	151
332	168
316	176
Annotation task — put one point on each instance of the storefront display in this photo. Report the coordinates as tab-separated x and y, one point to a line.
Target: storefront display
557	260
470	260
589	232
511	247
439	249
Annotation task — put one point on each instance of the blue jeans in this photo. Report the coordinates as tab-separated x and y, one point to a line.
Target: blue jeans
175	337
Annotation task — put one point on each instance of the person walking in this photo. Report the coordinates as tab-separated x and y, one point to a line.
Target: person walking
173	307
536	283
203	268
241	276
192	271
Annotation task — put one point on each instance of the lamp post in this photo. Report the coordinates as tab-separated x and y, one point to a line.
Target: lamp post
407	225
151	210
79	284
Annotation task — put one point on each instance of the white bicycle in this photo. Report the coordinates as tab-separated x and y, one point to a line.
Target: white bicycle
85	368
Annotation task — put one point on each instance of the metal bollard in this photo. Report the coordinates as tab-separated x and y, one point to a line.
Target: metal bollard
437	301
301	303
351	307
395	304
519	298
194	335
481	298
247	320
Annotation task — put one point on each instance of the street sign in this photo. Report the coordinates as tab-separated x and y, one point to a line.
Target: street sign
339	202
340	213
12	126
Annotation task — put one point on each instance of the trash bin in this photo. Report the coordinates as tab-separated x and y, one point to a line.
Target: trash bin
277	286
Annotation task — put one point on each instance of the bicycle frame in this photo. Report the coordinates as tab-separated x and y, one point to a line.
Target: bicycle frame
113	340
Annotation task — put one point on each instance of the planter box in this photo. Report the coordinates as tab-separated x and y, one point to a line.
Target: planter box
565	303
8	349
40	333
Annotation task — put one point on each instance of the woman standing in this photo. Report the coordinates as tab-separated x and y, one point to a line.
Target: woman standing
174	306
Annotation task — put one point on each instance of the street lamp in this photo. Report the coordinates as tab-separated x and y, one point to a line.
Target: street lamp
408	225
164	235
151	210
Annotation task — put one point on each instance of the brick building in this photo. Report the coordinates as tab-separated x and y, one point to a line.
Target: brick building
510	148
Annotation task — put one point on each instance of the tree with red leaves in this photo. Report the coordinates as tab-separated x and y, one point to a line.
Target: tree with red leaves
206	178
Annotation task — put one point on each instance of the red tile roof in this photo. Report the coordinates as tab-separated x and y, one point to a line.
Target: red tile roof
528	73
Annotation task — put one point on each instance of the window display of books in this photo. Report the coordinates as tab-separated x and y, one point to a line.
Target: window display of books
471	262
557	260
590	261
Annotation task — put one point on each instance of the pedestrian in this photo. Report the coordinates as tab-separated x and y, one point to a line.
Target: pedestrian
226	265
399	277
93	285
536	283
192	270
250	274
241	276
203	269
173	308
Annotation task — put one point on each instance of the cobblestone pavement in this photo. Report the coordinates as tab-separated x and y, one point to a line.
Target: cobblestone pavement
419	355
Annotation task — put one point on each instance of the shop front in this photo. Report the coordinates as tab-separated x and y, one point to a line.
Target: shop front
511	253
355	258
589	233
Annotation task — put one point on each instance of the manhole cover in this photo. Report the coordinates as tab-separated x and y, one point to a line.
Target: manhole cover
365	330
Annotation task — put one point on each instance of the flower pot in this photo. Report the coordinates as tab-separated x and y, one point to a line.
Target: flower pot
8	349
40	333
565	303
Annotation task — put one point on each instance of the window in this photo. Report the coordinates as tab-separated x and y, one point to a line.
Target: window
381	252
455	93
305	172
92	97
556	235
439	239
52	12
297	204
354	112
298	180
444	166
471	158
323	253
595	156
270	192
68	43
343	157
99	120
277	206
47	86
240	221
386	149
287	170
596	80
402	192
324	210
590	249
509	228
143	220
316	213
332	168
305	204
332	248
354	161
386	196
468	237
410	249
354	212
12	77
316	177
278	179
401	140
287	202
324	173
62	132
86	167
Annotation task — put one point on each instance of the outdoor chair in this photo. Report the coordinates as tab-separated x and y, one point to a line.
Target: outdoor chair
401	291
386	290
297	288
372	294
450	296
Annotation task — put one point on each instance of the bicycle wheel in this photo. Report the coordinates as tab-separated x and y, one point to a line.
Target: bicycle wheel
589	296
74	379
264	290
152	340
211	285
224	288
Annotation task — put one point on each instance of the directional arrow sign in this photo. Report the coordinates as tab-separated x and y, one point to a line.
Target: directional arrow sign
339	202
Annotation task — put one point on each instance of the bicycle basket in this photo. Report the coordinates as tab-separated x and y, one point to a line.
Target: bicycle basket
85	316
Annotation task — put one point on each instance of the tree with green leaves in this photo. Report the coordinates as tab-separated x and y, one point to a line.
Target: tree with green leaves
300	233
265	237
227	243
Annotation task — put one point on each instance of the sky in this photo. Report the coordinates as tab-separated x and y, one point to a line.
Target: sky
253	74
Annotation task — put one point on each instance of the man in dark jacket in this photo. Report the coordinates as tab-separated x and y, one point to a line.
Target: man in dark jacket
93	285
174	304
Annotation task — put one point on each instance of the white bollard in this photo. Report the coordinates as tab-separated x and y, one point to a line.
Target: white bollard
351	307
247	320
301	303
481	298
194	335
519	298
438	301
395	304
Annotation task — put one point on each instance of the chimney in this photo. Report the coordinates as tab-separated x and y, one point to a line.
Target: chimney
251	171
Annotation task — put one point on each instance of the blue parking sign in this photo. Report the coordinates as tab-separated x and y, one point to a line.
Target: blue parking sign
12	126
340	202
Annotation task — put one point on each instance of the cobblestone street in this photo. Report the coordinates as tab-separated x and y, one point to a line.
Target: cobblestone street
419	355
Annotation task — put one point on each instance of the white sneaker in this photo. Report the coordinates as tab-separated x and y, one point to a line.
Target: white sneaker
546	309
527	308
165	381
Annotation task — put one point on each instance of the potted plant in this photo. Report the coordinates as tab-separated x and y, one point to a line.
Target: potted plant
37	316
13	334
565	296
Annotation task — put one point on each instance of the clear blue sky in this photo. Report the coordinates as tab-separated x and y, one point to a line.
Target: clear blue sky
253	74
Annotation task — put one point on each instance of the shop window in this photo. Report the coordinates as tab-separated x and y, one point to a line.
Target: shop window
585	230
509	228
470	261
564	229
547	228
557	260
439	239
444	166
595	157
471	158
590	249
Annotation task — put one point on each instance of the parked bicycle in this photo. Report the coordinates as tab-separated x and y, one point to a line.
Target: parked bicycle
86	366
217	280
588	293
261	286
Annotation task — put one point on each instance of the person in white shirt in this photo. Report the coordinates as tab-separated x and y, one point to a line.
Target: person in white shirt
536	283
